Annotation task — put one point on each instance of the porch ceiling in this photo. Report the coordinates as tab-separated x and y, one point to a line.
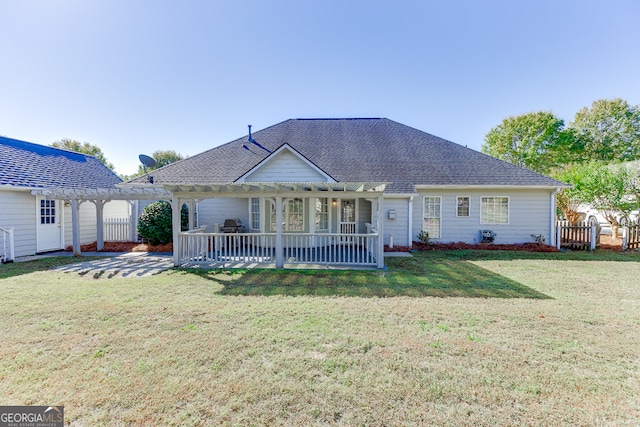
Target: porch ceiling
276	187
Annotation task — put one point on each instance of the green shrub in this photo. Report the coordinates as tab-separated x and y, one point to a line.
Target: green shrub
423	236
154	223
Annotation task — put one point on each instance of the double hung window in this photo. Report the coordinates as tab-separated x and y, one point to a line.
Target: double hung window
431	216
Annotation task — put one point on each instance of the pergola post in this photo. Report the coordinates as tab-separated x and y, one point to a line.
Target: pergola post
99	223
75	226
176	206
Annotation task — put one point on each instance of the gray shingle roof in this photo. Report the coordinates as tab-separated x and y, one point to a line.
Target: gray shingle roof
24	164
357	150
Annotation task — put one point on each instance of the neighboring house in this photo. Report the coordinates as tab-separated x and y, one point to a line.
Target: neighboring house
41	223
309	177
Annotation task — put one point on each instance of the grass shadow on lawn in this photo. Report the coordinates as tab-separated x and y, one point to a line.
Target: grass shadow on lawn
498	255
408	277
15	269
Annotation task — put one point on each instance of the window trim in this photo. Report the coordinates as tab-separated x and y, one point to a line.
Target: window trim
508	210
286	215
255	214
458	206
424	200
318	214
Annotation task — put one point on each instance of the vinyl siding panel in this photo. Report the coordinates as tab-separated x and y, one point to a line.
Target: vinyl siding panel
397	227
18	210
364	215
215	211
286	167
529	213
87	224
116	209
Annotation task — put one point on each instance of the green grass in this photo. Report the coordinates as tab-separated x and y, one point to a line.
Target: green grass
444	338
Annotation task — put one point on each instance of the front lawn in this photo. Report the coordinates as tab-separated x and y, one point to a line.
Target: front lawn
443	338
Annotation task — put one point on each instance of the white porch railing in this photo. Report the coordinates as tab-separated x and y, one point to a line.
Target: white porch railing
117	230
219	249
7	246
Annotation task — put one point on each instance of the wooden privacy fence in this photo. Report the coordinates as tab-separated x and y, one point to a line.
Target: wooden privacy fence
631	239
117	230
579	235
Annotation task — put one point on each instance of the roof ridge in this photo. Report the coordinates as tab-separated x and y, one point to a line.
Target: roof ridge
341	118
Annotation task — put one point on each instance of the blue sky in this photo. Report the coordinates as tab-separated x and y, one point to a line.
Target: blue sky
135	76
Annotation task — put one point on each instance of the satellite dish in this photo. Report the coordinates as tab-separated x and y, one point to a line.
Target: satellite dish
147	162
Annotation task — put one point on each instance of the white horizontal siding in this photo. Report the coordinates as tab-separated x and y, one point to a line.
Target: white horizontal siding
18	210
398	227
364	215
215	211
87	224
529	213
286	167
116	209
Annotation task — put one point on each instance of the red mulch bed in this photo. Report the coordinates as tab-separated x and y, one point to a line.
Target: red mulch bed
529	247
606	242
125	247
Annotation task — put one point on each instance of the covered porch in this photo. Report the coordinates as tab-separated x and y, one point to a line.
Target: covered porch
286	225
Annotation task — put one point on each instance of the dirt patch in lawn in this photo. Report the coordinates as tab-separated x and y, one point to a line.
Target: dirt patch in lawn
125	247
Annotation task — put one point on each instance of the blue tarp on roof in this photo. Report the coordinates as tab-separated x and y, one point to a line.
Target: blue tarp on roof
24	164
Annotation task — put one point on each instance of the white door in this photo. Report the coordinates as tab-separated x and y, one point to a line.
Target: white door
49	224
348	215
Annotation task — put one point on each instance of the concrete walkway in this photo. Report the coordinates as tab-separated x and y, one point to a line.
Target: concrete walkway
116	264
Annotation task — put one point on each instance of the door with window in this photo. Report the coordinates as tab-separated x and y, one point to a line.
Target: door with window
348	218
49	225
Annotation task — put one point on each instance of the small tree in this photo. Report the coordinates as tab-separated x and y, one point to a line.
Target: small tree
569	199
155	222
606	188
84	148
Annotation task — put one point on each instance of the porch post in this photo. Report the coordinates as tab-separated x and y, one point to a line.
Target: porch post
176	206
75	227
279	248
380	232
192	205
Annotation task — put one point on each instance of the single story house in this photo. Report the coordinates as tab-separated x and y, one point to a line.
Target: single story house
323	191
39	223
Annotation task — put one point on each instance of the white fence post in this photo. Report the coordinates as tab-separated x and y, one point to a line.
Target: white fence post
625	235
8	254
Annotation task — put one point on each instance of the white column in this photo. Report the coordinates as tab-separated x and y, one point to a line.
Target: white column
192	205
410	225
279	247
176	206
552	218
133	220
380	232
75	226
99	223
